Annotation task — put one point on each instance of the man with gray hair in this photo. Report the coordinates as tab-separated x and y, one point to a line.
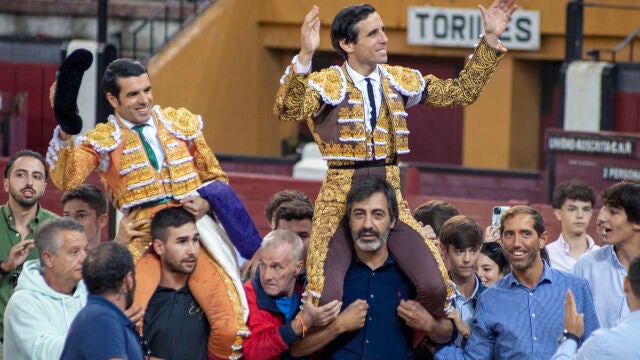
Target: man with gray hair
109	275
49	293
274	296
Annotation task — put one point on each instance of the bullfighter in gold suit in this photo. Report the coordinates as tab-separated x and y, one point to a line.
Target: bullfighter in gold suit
152	158
356	113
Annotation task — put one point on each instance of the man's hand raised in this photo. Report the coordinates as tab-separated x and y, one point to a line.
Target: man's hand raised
573	321
17	255
496	18
309	35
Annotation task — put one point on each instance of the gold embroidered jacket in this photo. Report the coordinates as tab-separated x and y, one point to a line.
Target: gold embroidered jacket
334	109
117	154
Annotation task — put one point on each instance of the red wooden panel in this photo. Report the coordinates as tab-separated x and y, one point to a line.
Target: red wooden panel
627	112
29	81
436	133
48	119
257	167
7	77
468	185
254	190
34	80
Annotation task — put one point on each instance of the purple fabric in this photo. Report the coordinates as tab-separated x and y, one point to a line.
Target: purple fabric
233	216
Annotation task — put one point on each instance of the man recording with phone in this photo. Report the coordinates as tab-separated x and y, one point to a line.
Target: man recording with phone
492	232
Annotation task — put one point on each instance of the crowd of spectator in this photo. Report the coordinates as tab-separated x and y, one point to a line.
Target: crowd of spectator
508	302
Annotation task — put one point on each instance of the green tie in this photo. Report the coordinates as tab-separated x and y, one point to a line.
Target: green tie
147	146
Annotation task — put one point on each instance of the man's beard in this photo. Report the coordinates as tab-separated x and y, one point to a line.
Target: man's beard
21	200
371	246
176	267
130	295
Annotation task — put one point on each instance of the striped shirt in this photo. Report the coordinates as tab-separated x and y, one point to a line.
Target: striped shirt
513	322
606	275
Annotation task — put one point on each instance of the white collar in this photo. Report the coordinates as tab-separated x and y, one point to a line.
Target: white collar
356	77
129	124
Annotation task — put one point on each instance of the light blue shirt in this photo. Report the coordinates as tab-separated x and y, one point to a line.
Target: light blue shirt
559	252
466	307
620	342
513	322
606	275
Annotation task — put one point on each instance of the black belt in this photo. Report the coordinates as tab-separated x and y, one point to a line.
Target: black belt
366	164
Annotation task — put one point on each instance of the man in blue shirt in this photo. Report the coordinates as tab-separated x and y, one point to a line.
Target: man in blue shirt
375	278
109	275
605	268
515	318
620	342
460	241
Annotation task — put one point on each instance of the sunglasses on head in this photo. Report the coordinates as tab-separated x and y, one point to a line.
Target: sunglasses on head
492	246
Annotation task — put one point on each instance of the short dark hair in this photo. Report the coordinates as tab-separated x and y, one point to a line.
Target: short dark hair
170	217
47	237
88	193
120	68
573	189
634	275
494	251
626	195
461	232
365	188
294	210
24	153
344	25
106	267
435	213
538	220
282	197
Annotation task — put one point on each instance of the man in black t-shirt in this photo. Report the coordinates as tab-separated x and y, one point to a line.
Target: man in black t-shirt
175	326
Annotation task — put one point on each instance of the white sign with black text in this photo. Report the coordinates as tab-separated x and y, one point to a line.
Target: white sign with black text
458	27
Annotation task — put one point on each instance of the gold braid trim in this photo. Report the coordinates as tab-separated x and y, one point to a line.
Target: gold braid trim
404	79
330	208
102	135
295	101
467	87
241	327
181	122
138	245
404	215
206	162
330	83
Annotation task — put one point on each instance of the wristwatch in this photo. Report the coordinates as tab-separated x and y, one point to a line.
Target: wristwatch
567	335
2	272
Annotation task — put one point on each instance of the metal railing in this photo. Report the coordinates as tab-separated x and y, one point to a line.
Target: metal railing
629	40
187	11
